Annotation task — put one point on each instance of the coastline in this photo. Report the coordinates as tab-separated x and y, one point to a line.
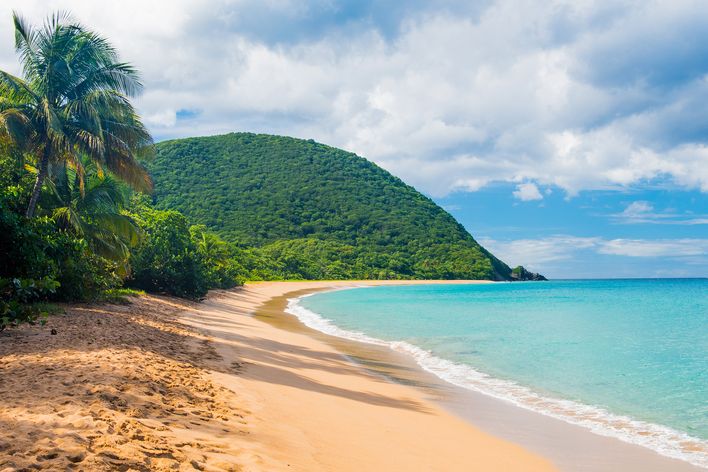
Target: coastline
569	446
235	383
312	408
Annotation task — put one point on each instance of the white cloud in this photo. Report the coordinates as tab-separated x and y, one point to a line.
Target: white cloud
656	248
555	93
637	209
542	254
535	253
527	192
164	118
644	212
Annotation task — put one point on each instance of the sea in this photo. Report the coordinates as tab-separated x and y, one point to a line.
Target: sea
624	358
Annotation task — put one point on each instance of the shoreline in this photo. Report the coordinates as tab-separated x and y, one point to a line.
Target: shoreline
559	439
236	384
313	408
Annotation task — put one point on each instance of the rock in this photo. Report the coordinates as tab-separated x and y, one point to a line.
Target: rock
47	456
521	274
76	456
197	465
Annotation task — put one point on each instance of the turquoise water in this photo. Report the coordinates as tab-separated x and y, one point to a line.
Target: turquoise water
626	358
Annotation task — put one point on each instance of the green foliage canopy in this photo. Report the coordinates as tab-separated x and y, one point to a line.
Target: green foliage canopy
174	257
314	211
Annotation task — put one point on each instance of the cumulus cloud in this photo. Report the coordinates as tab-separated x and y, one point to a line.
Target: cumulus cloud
527	192
580	95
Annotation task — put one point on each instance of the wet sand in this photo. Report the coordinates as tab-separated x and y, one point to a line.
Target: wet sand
314	408
569	447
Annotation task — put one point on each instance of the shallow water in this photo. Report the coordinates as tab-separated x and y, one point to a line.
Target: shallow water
625	358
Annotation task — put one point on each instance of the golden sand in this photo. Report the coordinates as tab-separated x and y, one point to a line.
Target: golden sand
163	384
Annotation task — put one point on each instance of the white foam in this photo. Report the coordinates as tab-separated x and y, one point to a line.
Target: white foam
662	439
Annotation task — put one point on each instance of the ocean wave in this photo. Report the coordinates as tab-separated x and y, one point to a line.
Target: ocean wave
662	439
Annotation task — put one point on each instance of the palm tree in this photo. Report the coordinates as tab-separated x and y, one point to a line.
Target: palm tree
90	207
73	101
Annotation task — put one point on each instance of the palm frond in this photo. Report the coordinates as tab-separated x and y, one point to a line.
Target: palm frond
25	39
77	166
122	226
109	246
15	89
120	77
72	104
121	161
69	219
15	124
103	196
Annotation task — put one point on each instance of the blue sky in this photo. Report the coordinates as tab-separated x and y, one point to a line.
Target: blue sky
638	233
568	136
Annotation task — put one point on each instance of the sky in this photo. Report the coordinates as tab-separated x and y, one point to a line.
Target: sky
567	136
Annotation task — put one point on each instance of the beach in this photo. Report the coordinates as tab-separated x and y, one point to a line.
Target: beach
313	409
234	383
353	236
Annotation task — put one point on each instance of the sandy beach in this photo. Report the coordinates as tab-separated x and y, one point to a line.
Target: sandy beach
313	409
163	384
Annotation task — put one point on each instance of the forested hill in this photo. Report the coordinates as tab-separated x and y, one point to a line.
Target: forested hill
318	211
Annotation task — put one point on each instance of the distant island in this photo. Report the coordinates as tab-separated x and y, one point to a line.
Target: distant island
300	209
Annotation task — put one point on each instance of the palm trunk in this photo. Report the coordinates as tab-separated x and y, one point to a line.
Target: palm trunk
41	175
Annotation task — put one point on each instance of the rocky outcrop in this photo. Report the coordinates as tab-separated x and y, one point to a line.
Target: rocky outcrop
519	273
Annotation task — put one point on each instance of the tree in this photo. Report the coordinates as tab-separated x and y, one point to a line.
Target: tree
73	101
93	211
217	257
166	260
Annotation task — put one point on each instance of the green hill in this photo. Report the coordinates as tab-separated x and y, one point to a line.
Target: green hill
317	211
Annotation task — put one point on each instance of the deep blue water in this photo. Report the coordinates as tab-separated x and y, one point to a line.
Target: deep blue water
595	352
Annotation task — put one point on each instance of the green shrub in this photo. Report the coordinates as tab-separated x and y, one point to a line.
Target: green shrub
166	260
35	249
216	257
24	245
120	296
18	299
83	274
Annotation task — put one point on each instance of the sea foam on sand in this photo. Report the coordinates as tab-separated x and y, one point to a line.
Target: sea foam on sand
662	439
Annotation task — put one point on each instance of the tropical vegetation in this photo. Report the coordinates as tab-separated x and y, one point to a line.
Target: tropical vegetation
79	219
72	223
73	103
313	211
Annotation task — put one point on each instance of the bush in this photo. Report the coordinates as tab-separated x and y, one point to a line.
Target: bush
18	299
24	249
35	249
166	260
216	256
83	274
120	296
